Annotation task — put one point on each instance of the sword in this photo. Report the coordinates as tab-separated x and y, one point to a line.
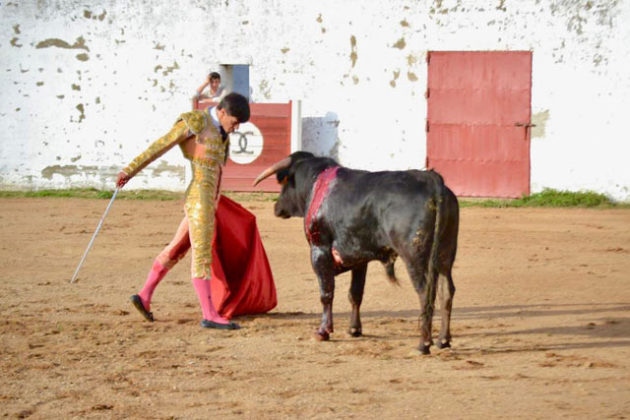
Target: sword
98	228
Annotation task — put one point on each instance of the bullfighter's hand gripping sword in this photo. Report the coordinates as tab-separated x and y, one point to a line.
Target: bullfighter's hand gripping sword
98	228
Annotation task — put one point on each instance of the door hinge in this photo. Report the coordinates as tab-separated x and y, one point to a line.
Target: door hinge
427	93
427	126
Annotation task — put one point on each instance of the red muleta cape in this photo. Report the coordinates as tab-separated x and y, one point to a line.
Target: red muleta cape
242	282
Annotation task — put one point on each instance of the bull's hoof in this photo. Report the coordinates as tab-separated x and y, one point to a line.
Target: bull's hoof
355	332
424	349
322	335
443	344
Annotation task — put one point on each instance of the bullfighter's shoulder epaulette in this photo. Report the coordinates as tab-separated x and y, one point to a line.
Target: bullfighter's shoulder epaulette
196	120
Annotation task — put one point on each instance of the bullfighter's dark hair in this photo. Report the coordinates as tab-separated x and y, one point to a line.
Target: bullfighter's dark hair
236	105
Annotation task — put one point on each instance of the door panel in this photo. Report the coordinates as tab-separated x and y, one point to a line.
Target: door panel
479	108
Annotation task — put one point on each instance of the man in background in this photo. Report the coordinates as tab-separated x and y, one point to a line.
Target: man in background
215	91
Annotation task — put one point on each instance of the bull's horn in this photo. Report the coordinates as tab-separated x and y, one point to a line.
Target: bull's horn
283	164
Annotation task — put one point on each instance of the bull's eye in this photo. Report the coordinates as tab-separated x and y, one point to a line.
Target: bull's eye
281	176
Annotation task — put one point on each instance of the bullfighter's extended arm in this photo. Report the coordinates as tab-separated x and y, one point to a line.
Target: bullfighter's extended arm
176	135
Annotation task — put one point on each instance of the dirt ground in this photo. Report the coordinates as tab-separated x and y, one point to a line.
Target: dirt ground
541	325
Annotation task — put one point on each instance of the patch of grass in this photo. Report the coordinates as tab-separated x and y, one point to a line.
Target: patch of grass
251	196
160	195
550	198
546	198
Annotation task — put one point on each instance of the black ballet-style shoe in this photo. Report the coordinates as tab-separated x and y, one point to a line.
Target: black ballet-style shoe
137	302
211	324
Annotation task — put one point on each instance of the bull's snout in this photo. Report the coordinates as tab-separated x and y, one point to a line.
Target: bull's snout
280	211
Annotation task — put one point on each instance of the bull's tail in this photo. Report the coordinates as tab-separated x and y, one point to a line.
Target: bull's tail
391	273
432	272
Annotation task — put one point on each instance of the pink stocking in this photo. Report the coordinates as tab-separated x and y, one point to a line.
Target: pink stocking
157	273
202	287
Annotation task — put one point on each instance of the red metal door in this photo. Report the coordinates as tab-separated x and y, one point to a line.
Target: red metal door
478	119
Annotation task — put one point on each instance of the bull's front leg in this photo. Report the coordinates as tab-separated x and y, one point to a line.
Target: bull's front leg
324	269
356	297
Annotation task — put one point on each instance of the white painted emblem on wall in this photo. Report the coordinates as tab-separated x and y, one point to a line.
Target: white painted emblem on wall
246	144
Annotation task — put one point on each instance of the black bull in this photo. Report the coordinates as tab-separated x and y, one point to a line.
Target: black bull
369	216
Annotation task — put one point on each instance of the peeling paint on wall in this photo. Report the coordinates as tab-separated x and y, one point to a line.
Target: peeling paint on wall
321	21
400	44
65	171
539	123
110	172
579	12
165	169
89	15
264	89
81	110
438	8
167	70
353	50
59	43
392	83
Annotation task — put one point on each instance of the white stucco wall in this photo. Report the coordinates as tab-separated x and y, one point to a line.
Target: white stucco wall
86	85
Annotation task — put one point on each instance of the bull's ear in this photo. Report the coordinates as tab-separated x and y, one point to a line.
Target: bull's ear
282	176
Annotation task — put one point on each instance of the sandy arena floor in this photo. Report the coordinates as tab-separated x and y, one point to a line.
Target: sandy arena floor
541	325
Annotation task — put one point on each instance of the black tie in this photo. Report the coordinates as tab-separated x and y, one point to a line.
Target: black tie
223	133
